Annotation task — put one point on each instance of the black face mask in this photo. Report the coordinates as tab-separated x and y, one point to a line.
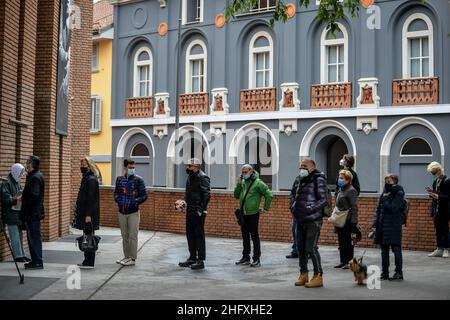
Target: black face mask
84	170
189	171
388	187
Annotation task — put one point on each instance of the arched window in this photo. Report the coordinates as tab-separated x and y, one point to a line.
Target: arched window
143	72
140	150
416	147
334	55
261	61
417	46
196	66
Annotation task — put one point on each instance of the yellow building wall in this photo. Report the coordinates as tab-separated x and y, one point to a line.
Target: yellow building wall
101	143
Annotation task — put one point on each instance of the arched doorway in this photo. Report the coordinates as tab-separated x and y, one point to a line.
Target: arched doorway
329	151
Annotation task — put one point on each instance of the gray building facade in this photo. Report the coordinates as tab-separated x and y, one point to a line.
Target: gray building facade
379	88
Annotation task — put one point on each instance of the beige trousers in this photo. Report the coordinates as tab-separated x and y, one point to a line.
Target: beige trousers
129	228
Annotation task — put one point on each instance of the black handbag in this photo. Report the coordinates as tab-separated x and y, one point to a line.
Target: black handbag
88	242
239	212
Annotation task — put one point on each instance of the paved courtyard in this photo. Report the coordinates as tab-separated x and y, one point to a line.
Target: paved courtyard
157	275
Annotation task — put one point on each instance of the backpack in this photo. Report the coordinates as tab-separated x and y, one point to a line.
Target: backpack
328	209
404	211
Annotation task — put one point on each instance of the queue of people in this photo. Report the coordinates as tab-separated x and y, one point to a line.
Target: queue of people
23	210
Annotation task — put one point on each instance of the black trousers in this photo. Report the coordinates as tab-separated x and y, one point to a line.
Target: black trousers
308	234
250	228
35	241
346	249
442	232
195	234
397	250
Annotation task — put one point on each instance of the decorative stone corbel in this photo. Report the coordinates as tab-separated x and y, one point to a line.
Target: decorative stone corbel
219	103
162	3
289	97
367	124
218	128
160	130
368	93
161	109
288	126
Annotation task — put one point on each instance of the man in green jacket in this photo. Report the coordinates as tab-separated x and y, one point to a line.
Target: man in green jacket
11	193
249	181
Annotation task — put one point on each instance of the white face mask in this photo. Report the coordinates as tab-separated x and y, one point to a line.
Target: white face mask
304	173
341	162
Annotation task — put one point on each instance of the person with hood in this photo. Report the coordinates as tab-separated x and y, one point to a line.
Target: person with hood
129	194
32	211
388	226
252	188
347	163
87	212
11	193
440	209
310	200
197	196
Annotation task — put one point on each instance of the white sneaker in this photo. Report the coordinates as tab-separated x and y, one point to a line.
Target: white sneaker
445	254
437	253
129	262
120	260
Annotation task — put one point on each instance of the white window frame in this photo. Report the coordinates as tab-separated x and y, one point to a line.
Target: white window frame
268	8
324	44
184	12
139	157
407	35
318	2
416	155
252	62
138	64
189	58
95	53
96	114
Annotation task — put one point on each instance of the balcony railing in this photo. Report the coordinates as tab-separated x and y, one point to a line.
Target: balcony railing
336	95
194	103
256	100
141	107
415	91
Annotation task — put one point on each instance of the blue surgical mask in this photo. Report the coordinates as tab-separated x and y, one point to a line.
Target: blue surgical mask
131	172
341	183
246	176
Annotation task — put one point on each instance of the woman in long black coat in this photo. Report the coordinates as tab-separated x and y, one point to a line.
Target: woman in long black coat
87	214
388	224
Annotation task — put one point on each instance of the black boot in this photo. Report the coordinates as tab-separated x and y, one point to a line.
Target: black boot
293	255
244	261
198	265
397	276
256	263
385	276
186	263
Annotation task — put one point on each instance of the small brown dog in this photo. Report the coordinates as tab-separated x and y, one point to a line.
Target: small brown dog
359	270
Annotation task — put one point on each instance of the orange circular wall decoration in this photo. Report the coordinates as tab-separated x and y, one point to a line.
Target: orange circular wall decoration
290	10
220	20
162	29
367	3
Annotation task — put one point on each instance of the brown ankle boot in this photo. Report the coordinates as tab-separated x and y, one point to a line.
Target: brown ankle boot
316	281
302	279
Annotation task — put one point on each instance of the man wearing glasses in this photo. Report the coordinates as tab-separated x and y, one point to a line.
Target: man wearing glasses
197	197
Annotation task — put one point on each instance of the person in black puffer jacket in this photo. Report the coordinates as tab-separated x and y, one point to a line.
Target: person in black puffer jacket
310	200
388	224
87	213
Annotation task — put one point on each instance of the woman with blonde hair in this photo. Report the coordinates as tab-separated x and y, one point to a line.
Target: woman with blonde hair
87	213
440	210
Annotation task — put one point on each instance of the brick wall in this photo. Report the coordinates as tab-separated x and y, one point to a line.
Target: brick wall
158	214
29	35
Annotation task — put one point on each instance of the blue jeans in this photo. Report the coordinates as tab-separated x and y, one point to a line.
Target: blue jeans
16	238
294	236
35	241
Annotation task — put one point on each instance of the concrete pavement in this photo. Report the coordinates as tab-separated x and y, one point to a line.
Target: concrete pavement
157	276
